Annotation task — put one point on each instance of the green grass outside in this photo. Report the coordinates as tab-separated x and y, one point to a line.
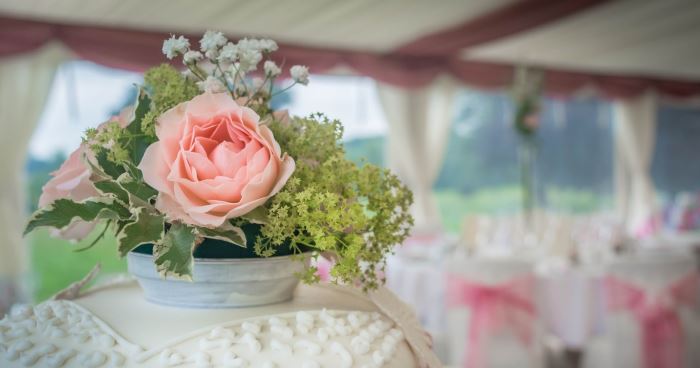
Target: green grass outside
55	264
454	206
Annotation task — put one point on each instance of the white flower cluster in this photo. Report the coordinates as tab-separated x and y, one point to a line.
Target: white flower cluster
220	65
175	46
300	74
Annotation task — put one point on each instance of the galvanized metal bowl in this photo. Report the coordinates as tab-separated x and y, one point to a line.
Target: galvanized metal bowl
225	275
220	283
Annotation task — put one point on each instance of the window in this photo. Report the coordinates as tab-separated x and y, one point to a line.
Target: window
674	167
481	175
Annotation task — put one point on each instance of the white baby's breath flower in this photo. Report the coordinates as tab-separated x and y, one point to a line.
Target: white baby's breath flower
175	46
211	84
211	42
228	53
268	45
192	57
248	59
300	74
271	69
249	44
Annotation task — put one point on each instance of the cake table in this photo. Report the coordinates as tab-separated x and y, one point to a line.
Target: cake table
114	326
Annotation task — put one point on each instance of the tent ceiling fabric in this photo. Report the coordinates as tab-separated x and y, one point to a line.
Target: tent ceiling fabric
620	47
365	25
624	37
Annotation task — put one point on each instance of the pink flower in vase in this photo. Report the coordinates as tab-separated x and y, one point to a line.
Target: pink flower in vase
72	181
213	161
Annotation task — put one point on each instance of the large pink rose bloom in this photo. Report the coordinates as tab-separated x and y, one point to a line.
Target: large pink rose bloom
213	161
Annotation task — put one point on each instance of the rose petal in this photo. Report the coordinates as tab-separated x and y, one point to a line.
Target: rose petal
155	168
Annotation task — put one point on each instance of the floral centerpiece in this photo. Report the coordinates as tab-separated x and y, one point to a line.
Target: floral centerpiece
526	94
201	155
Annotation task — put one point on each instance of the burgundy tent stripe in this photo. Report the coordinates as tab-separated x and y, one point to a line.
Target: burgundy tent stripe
138	50
520	16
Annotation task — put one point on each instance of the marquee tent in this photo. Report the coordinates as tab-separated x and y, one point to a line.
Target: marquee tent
632	51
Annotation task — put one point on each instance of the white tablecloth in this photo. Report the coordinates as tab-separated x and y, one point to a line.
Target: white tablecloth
570	300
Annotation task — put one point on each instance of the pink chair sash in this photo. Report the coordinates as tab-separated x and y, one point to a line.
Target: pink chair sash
662	334
493	307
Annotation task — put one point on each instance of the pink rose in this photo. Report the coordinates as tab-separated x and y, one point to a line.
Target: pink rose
213	161
72	181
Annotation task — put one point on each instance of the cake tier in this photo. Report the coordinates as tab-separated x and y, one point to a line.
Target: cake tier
117	327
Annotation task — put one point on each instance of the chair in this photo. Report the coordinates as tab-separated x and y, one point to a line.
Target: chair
491	313
653	316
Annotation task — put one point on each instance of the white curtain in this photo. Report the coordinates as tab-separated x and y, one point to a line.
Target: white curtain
25	82
635	137
419	124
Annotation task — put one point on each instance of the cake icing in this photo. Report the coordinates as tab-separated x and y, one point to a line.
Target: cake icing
116	327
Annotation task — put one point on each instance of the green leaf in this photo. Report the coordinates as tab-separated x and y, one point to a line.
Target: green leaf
257	216
106	166
139	143
146	228
139	192
173	256
62	212
232	234
112	188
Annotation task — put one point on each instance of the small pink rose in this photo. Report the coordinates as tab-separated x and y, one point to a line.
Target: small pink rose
72	181
213	161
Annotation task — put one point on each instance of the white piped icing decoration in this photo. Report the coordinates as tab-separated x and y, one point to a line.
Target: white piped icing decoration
252	342
277	345
378	357
344	354
360	345
357	319
60	358
310	364
282	331
308	347
322	334
169	358
201	359
92	360
234	361
116	359
251	327
61	334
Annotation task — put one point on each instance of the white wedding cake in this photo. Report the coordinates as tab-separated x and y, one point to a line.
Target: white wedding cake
115	326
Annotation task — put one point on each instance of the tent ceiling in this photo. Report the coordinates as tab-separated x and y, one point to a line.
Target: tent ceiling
367	25
637	38
642	37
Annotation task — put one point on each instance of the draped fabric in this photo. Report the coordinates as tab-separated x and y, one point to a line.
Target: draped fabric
419	123
26	81
635	136
138	50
